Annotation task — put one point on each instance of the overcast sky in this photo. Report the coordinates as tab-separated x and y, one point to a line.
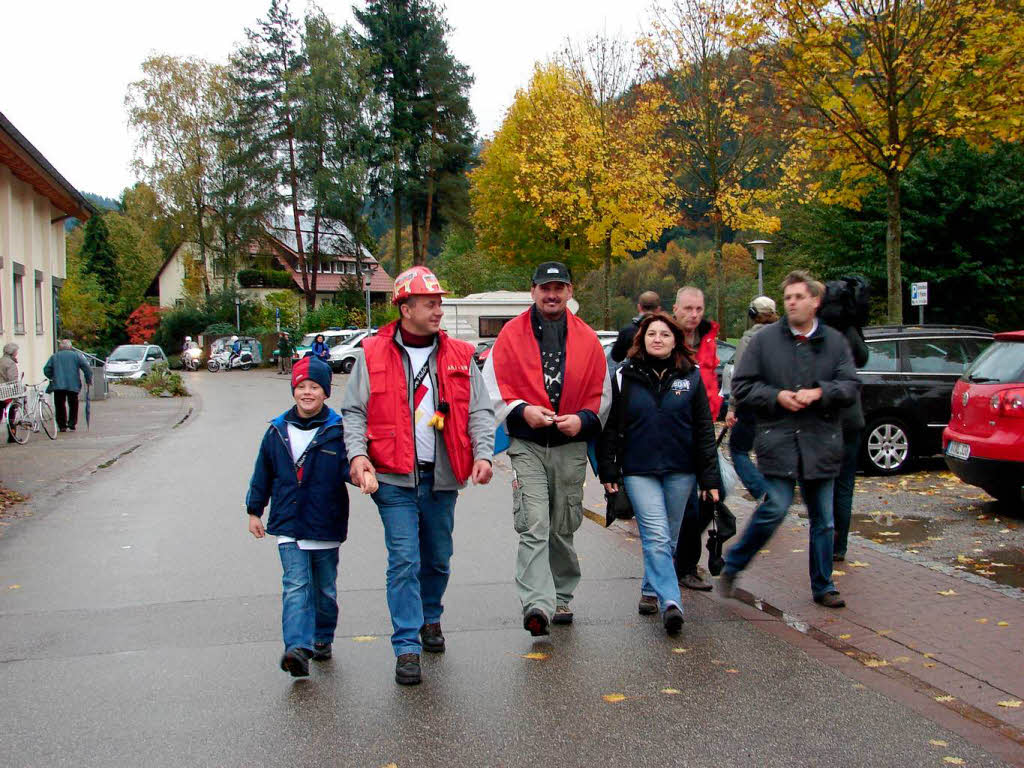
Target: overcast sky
66	65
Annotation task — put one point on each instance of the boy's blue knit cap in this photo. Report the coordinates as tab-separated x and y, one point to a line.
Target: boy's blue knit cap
312	368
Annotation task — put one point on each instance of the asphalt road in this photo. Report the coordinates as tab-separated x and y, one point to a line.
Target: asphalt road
139	625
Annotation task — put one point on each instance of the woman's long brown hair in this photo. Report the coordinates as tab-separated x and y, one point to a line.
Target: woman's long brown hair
682	356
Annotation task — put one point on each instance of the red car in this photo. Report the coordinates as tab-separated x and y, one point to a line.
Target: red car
984	442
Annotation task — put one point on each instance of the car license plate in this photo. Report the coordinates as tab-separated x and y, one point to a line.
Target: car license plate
958	450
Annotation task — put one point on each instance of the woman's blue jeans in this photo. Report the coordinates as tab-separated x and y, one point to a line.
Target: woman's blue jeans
741	442
418	524
309	600
659	502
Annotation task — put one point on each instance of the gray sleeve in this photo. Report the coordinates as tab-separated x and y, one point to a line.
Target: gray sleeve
353	410
481	416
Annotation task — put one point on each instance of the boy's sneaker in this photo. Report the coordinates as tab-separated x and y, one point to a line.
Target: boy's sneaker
407	669
563	615
535	622
321	651
648	605
296	662
432	638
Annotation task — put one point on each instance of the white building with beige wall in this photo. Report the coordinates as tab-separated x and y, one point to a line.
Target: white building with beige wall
35	201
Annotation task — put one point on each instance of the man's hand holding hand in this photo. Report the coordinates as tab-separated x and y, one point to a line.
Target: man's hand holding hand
569	425
730	419
363	475
538	417
788	400
807	396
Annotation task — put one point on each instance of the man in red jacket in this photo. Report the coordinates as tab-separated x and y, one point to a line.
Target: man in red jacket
702	338
418	417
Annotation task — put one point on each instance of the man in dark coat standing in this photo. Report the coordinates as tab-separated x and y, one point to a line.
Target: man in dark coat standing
797	376
62	370
647	302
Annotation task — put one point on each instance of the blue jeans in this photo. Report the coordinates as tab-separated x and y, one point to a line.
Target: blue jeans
659	502
842	497
769	515
418	524
741	442
309	600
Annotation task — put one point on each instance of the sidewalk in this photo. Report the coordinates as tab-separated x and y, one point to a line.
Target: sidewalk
119	424
950	635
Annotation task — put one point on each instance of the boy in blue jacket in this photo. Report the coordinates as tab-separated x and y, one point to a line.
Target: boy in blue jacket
303	467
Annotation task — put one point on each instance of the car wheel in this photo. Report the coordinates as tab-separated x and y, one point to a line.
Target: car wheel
347	365
885	447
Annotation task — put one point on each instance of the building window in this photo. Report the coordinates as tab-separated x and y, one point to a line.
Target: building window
490	327
40	328
350	268
19	304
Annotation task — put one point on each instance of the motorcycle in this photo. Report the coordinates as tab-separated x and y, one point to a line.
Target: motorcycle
223	360
191	358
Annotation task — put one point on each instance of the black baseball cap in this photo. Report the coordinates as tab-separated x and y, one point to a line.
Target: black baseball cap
552	272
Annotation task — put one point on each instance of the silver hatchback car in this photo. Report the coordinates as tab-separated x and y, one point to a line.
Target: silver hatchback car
133	361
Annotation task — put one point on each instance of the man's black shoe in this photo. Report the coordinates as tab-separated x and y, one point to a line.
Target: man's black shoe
71	429
296	662
831	600
535	622
672	620
407	669
431	637
321	651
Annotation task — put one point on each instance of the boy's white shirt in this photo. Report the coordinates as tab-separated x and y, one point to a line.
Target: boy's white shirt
298	439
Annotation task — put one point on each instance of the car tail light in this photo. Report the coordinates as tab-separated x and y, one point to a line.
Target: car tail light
1011	403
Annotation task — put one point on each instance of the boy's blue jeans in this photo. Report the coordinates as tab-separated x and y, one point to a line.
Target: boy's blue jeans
659	502
418	524
768	517
309	602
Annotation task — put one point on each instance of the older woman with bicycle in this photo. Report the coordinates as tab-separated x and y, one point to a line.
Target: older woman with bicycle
658	442
62	369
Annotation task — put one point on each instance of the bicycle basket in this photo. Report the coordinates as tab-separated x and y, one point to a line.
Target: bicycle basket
11	389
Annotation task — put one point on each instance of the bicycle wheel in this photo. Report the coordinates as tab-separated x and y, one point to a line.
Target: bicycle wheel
19	427
48	419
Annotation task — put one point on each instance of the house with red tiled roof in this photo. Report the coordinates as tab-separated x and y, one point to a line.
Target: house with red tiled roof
274	265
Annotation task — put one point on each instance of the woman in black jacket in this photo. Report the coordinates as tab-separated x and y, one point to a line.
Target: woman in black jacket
659	440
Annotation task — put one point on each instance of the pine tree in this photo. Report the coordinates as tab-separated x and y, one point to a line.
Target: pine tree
99	259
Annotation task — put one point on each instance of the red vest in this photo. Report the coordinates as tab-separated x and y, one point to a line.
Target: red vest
391	443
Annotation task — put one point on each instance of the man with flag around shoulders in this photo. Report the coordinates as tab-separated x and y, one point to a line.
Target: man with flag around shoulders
548	378
418	419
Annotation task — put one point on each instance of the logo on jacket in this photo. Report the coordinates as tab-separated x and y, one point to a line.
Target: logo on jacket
680	385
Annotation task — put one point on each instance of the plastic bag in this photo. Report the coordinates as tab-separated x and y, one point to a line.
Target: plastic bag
730	480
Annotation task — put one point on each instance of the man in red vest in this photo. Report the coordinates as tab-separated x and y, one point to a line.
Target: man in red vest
549	380
418	418
702	338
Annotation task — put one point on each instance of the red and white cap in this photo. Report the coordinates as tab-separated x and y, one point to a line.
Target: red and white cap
417	281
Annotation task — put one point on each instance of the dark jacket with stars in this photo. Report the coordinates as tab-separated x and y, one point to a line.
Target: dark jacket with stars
315	507
666	426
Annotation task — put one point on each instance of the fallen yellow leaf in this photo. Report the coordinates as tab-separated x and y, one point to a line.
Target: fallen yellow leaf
613	698
982	621
947	592
847	636
945	698
935	538
717	662
859	564
884	632
766	551
671	691
733	671
15	586
953	760
391	765
888	533
796	550
873	663
938	743
928	655
680	650
536	655
1002	623
838	573
901	660
1011	704
365	638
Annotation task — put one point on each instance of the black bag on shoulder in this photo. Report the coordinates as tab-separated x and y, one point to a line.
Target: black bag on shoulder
618	505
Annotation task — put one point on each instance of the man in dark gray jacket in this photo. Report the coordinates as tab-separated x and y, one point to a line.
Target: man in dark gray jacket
797	375
62	369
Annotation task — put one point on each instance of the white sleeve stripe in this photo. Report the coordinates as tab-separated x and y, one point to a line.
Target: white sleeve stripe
501	407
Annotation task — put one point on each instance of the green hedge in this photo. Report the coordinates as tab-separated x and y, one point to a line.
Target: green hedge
264	278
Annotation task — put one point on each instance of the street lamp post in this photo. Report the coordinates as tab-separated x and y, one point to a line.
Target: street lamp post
367	276
759	256
238	314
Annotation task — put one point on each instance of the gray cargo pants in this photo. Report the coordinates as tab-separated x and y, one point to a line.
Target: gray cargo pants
547	509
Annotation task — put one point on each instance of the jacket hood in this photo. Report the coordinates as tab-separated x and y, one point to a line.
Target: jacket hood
10	348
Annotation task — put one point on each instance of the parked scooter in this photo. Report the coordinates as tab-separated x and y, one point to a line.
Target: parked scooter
191	358
223	360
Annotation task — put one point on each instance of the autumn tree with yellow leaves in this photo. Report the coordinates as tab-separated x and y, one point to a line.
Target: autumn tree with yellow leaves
868	85
576	172
722	132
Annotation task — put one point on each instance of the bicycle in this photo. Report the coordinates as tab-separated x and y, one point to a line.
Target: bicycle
30	411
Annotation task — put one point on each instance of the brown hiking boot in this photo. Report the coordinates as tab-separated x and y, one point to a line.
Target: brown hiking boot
563	615
648	605
431	637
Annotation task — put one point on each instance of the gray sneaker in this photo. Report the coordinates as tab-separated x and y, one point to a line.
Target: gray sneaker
727	584
694	581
